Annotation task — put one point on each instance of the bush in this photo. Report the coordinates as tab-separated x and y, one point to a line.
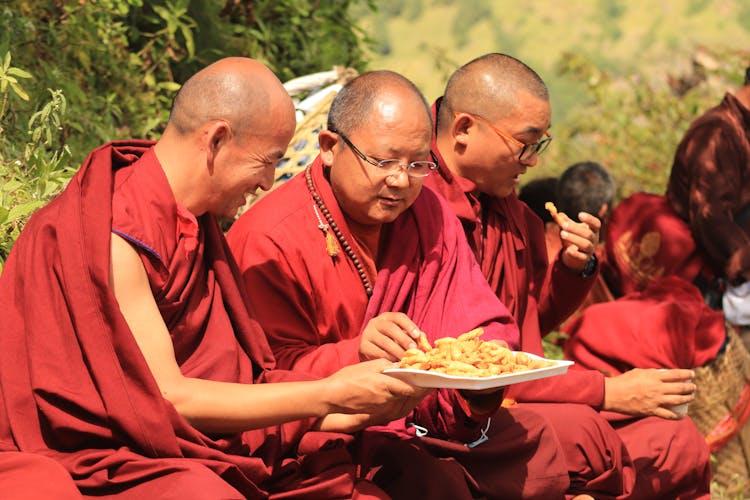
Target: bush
109	69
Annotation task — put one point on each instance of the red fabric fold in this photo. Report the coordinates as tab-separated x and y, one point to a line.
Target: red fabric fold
667	325
313	307
75	385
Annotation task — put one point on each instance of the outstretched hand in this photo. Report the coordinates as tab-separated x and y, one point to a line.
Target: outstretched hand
579	240
387	336
649	392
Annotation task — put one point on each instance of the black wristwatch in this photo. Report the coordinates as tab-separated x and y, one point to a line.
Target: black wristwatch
590	268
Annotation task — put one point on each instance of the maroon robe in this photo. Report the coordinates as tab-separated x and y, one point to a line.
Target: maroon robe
667	325
646	240
313	308
27	476
508	240
75	385
709	188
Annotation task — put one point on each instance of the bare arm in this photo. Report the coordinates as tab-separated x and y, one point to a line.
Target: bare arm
232	407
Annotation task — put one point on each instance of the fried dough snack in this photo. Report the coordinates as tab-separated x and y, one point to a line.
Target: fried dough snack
467	355
557	216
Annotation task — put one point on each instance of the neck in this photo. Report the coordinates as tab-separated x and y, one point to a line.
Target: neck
173	161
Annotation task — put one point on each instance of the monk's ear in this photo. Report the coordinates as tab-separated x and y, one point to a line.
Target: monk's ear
217	134
327	140
460	128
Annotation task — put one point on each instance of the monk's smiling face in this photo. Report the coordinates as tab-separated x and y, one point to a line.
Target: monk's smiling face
398	127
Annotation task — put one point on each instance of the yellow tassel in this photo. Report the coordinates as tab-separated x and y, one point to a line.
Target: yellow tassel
331	244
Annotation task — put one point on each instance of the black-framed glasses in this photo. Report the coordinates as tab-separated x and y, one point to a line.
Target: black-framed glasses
527	150
392	166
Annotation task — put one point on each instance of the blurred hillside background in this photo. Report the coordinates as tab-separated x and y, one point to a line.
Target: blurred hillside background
626	77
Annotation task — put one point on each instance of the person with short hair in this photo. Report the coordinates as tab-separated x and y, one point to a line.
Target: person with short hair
127	353
492	123
352	260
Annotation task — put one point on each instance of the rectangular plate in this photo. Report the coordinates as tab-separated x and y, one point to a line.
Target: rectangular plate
424	378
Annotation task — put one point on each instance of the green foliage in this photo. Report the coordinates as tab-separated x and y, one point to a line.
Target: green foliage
633	124
470	12
31	174
109	69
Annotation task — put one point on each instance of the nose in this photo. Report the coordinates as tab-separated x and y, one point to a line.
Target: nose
531	161
267	179
399	178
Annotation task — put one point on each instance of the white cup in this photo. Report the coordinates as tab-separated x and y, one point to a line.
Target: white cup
680	410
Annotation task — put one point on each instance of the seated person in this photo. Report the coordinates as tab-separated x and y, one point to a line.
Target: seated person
708	189
492	124
352	259
128	354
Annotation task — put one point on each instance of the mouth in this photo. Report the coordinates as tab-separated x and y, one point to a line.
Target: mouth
390	200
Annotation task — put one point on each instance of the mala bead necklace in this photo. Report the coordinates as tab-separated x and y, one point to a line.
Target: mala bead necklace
330	225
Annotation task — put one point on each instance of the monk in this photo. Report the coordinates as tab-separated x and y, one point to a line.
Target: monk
126	350
708	189
351	260
491	125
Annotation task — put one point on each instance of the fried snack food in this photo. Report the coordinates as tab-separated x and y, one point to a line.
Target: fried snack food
557	216
469	356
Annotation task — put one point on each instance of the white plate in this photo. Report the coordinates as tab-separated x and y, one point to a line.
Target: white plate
424	378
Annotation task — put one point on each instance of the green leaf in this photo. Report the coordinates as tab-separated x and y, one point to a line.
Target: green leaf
3	214
19	73
25	209
12	185
19	91
6	64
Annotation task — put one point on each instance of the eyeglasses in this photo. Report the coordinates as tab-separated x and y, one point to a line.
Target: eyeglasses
527	150
391	167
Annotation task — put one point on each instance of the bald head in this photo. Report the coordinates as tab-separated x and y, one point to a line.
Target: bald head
355	105
488	85
238	90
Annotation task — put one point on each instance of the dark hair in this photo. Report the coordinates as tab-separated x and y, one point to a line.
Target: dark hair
584	187
538	192
747	75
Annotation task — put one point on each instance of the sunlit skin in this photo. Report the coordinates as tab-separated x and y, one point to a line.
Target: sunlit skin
244	166
398	129
476	152
491	161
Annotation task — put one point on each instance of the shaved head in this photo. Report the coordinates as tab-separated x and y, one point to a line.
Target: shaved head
355	104
487	86
241	91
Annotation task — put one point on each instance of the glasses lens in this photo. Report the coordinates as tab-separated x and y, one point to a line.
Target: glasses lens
420	168
389	166
537	148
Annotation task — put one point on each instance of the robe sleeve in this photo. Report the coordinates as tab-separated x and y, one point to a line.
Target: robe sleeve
576	386
282	299
713	157
563	292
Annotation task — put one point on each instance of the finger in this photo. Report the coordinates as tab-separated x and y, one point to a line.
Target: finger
387	347
407	325
592	221
584	241
679	388
676	375
667	414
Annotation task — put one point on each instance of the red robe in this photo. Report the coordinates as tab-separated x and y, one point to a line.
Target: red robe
667	325
27	476
75	385
509	243
313	308
708	186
